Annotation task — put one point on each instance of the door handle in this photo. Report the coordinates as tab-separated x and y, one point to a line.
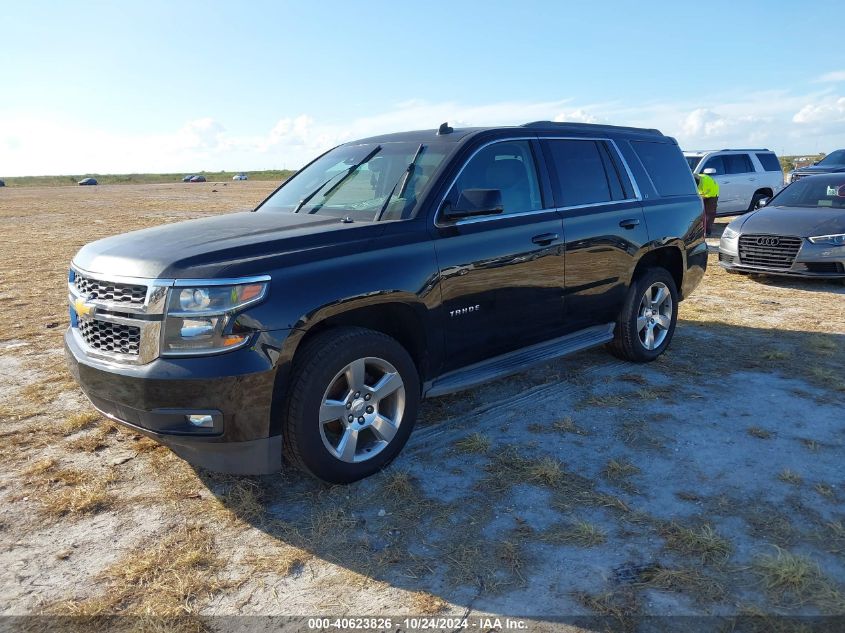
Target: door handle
629	223
545	238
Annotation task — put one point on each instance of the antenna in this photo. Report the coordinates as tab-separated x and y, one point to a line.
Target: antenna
444	129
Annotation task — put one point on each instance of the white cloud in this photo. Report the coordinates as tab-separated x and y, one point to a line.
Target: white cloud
776	119
828	110
831	77
578	115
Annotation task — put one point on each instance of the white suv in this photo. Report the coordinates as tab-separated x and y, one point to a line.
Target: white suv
745	176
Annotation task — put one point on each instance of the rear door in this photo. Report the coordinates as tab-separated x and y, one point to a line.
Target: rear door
501	276
603	223
740	170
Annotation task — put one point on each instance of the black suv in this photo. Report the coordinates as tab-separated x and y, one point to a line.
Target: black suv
388	269
830	164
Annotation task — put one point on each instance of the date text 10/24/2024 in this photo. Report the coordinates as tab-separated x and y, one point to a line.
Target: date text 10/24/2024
416	624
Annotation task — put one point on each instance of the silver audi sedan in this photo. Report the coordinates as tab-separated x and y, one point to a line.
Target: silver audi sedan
799	232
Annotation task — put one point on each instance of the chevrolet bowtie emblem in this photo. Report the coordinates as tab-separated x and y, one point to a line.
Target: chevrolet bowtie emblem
81	307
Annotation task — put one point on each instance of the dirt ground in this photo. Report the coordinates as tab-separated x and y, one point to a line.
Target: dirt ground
707	483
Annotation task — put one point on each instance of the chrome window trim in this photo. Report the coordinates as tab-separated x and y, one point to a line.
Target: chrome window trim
637	193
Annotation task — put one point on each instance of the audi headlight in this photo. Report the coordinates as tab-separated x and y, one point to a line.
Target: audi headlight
833	240
729	234
200	319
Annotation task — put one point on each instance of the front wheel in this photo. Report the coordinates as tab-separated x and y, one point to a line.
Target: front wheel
647	322
352	402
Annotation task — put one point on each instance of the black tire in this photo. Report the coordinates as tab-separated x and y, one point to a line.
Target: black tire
315	368
627	343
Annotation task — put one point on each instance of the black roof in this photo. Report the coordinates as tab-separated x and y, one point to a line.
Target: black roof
419	136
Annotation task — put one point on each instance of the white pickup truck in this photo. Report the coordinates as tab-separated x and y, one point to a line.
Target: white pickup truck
745	176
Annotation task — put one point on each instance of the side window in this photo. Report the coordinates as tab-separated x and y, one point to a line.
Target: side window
714	163
507	166
666	166
620	184
581	174
737	164
769	162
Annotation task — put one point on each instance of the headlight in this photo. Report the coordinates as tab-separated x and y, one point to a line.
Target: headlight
834	240
200	319
729	234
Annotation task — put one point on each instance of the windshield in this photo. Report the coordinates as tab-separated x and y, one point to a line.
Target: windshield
362	182
834	158
693	161
813	192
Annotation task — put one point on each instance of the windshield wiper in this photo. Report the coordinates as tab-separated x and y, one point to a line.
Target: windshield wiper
346	175
406	175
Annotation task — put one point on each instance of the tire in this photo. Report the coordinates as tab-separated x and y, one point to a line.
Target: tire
628	342
342	369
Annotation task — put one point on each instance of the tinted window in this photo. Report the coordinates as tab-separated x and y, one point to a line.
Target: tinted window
666	165
620	185
581	174
813	192
714	163
507	166
737	164
769	162
834	158
693	161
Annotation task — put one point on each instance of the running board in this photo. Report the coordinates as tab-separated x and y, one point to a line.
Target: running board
519	360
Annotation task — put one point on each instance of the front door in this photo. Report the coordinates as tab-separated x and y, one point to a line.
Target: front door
502	275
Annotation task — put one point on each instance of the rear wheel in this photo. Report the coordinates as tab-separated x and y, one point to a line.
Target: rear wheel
353	400
648	318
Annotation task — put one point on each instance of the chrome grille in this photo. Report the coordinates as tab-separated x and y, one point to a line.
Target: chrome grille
110	337
110	291
768	251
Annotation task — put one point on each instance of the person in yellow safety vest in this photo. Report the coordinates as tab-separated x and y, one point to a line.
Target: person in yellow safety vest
708	189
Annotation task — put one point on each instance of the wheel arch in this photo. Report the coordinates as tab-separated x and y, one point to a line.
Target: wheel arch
670	257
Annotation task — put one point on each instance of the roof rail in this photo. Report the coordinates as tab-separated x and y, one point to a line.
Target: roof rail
745	149
590	126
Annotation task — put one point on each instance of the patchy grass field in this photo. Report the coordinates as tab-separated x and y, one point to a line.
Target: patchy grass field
708	482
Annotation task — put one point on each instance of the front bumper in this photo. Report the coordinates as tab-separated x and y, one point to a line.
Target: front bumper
237	389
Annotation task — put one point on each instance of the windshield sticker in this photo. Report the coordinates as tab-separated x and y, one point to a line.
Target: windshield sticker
825	203
832	191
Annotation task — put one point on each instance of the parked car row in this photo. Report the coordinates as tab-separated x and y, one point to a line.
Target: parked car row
201	178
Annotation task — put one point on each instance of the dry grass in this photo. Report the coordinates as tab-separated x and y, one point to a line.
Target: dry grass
759	433
603	400
511	467
580	533
794	580
567	425
78	421
702	543
684	580
825	490
790	477
73	492
424	603
619	469
170	576
277	561
475	443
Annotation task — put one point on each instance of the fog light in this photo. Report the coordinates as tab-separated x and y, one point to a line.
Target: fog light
202	421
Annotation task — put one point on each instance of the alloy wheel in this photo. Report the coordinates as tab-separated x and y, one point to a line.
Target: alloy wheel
362	409
654	317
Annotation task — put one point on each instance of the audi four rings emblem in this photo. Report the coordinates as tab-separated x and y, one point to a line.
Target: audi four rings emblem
768	241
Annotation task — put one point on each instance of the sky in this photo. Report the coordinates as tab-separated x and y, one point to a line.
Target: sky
156	86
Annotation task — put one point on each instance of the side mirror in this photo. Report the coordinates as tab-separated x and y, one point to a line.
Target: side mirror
473	202
762	202
709	171
816	163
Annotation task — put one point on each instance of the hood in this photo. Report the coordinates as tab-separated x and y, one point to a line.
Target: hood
820	169
797	221
217	246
